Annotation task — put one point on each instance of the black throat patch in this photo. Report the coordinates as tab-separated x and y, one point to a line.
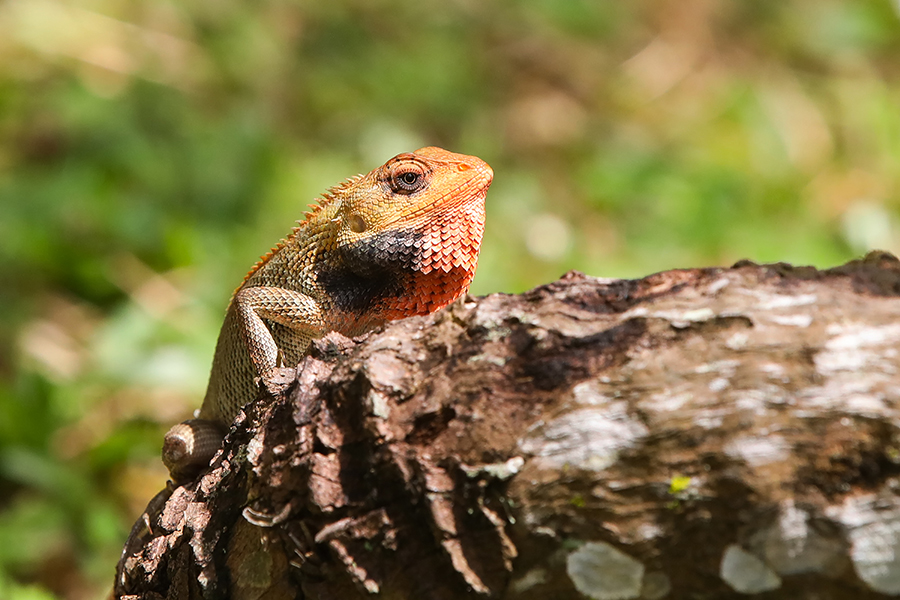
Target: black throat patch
361	276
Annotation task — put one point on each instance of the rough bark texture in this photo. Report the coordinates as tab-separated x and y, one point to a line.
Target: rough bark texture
701	433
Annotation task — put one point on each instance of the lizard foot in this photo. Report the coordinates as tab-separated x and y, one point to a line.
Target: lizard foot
189	446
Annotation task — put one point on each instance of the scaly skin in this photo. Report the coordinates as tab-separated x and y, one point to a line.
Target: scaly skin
400	241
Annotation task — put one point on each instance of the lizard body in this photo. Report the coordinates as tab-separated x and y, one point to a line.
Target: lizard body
402	240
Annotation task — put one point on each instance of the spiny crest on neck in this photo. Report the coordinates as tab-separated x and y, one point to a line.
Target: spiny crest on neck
331	195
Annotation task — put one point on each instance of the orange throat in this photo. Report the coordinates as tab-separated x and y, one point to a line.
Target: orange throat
447	265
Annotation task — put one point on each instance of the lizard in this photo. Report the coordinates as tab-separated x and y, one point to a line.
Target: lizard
400	241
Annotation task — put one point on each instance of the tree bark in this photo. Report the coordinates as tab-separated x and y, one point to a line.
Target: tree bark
697	433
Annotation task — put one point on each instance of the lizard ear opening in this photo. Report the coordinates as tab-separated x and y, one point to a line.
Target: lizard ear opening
357	223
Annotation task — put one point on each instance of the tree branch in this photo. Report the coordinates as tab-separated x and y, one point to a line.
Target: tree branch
713	432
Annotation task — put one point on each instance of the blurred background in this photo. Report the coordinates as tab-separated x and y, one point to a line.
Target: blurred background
150	151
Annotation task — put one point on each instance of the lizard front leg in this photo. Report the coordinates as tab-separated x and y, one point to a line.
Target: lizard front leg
295	310
245	343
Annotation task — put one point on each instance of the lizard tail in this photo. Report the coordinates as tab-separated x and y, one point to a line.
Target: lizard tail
189	446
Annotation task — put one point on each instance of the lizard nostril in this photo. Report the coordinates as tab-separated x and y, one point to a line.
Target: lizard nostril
463	167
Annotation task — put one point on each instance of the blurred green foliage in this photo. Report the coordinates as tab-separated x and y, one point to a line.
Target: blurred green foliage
151	151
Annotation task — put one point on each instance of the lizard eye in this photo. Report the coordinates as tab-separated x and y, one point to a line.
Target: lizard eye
407	179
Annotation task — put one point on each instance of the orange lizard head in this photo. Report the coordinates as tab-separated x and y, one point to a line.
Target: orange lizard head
411	189
409	233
